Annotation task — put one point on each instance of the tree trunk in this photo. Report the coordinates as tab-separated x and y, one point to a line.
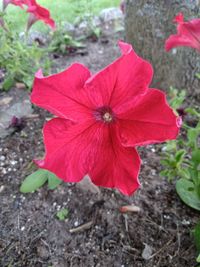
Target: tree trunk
148	25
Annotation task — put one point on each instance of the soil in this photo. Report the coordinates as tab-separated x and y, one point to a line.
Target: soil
31	235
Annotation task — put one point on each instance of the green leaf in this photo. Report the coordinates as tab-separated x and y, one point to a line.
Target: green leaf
192	135
192	111
8	83
62	214
164	173
180	155
188	193
184	173
196	156
171	145
198	259
196	235
34	181
53	181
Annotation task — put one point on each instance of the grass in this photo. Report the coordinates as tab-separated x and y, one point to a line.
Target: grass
61	10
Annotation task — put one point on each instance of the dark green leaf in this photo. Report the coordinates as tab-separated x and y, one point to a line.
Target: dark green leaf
34	181
196	234
188	193
179	155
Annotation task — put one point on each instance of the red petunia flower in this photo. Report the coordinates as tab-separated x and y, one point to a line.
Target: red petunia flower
188	34
38	12
101	118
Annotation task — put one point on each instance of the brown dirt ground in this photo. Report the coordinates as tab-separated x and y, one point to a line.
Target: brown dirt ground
31	235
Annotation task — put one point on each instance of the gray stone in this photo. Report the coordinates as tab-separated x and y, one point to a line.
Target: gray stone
110	14
68	27
35	36
147	252
17	105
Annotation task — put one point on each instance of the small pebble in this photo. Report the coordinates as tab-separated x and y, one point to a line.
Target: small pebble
185	222
13	162
76	223
2	187
4	171
166	217
2	158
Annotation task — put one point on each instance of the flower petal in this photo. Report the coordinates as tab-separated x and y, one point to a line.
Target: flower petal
62	94
74	150
151	120
188	34
68	147
116	166
121	81
40	13
178	40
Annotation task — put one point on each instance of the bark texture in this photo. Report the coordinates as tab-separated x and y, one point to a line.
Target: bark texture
148	25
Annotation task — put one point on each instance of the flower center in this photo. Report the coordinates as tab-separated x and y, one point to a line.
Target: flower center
107	117
104	114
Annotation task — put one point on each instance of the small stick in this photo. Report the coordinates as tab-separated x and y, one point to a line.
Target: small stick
129	208
31	116
82	227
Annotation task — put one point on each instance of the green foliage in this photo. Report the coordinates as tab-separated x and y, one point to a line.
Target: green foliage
19	60
188	193
182	158
64	43
176	97
62	214
53	181
34	181
37	179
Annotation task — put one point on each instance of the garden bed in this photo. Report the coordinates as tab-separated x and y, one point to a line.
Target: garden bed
31	234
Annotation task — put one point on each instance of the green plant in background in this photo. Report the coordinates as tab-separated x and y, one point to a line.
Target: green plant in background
64	43
181	157
176	97
19	60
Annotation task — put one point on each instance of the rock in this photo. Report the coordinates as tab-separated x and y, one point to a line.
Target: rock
43	252
68	27
86	185
96	21
35	36
147	252
87	25
16	106
110	14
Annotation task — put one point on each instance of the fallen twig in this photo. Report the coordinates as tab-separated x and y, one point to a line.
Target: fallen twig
82	227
